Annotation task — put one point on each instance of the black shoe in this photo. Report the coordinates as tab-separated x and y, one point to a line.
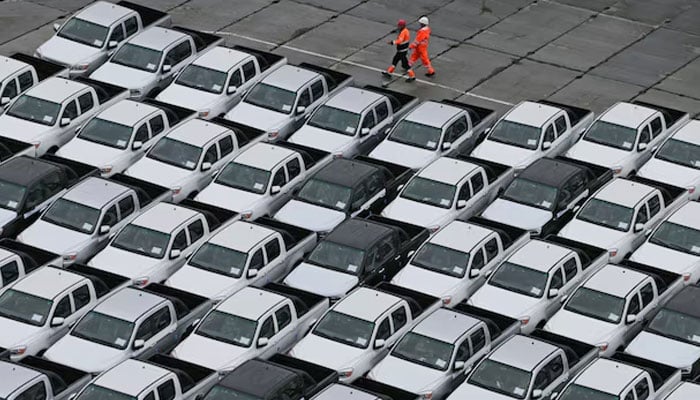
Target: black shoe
386	74
410	79
430	73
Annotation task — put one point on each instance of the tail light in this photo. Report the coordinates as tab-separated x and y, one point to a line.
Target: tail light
141	281
273	135
686	277
691	189
434	228
337	155
525	320
176	190
612	252
447	300
602	346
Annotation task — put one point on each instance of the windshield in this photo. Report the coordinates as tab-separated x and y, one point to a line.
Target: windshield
430	192
415	134
272	98
72	215
501	378
24	307
228	328
677	237
325	194
138	57
611	135
578	392
201	78
104	329
177	153
338	257
335	120
595	304
95	392
11	195
607	214
84	32
107	133
425	351
144	241
677	325
220	260
519	279
34	109
680	152
224	393
345	329
531	193
244	177
515	134
442	260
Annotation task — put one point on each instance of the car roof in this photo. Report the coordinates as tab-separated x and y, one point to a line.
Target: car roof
446	325
522	352
24	170
354	99
13	377
263	156
338	391
9	65
345	172
366	303
127	112
359	233
131	377
531	113
433	113
627	114
615	280
241	236
686	301
685	391
447	170
539	255
197	132
55	89
129	304
95	192
157	38
549	171
103	13
688	215
290	77
460	235
250	303
257	377
624	192
689	132
164	217
48	282
6	254
607	375
221	58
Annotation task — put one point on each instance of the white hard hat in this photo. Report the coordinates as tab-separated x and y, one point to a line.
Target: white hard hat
424	21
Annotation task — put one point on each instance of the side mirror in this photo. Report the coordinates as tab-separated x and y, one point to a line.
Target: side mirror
138	344
104	229
252	273
175	253
206	166
364	131
263	341
461	204
537	393
301	110
112	44
553	293
275	189
446	145
459	365
638	227
57	321
231	89
473	273
632	318
641	147
64	122
136	145
4	101
379	343
167	68
546	145
56	27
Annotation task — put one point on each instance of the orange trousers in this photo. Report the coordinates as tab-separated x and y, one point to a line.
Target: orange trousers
422	54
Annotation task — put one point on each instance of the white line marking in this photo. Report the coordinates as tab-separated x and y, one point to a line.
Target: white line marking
355	64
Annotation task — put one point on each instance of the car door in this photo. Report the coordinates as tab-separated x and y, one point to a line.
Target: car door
643	153
563	136
274	269
287	333
479	195
641	217
41	194
549	377
647	306
63	309
157	331
9	273
70	114
556	281
384	332
267	330
456	135
211	156
236	81
177	57
304	100
629	329
294	179
36	391
180	242
9	91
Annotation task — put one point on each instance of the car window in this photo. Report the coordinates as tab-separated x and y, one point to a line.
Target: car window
196	229
478	259
647	293
157	125
152	325
211	155
9	273
257	261
284	317
317	90
477	182
272	249
557	280
630	396
369	121
634	306
456	130
570	269
555	368
642	216
63	308
10	89
549	134
382	111
71	110
478	339
166	390
35	392
384	330
25	81
117	34
36	196
359	198
463	351
111	217
179	53
654	206
560	124
249	70
131	26
150	396
141	134
304	98
656	127
236	79
491	248
267	330
226	145
280	179
642	389
53	183
374	183
464	192
646	135
86	103
81	297
126	206
386	248
180	241
399	318
576	184
293	168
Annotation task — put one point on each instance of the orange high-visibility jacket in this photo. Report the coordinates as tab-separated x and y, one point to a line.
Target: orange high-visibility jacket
402	40
422	38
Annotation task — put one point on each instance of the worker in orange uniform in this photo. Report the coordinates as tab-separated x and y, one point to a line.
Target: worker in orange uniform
401	44
420	50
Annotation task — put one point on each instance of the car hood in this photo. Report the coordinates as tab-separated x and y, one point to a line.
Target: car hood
403	154
503	301
21	129
211	353
579	327
124	263
596	235
84	355
326	352
425	281
6	216
309	216
204	283
66	51
14	333
665	258
321	139
227	197
504	154
406	375
158	172
89	152
516	214
121	75
598	154
322	281
257	117
663	350
187	97
674	174
53	238
413	212
467	391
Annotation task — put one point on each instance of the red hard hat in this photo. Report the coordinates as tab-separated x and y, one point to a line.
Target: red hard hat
402	22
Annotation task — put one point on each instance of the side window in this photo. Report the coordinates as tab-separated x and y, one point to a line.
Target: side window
111	217
635	306
166	391
249	70
211	156
9	273
384	330
656	127
555	368
317	90
126	206
10	90
196	230
560	124
478	339
386	248
236	79
25	81
464	192
154	324
181	52
117	34
81	297
141	134
359	197
257	261
53	182
36	195
477	182
279	179
557	280
374	183
549	134
645	137
642	216
491	248
63	308
284	317
71	111
267	330
293	168
647	293
382	111
654	206
304	98
570	269
226	145
478	259
35	392
272	249
86	103
369	121
131	26
150	396
642	389
576	184
157	125
399	318
630	396
463	351
180	241
457	129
